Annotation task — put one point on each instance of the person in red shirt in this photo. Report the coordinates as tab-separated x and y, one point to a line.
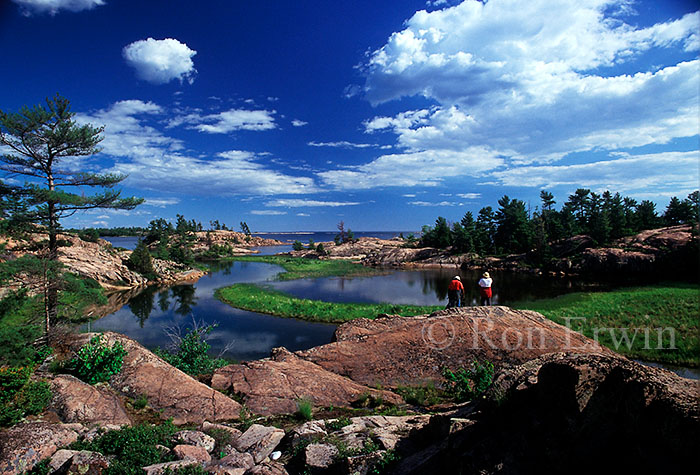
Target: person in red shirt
455	292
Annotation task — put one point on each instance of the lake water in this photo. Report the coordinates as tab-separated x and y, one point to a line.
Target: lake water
252	335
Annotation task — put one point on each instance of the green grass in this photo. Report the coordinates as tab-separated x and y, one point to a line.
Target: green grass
300	268
609	316
266	300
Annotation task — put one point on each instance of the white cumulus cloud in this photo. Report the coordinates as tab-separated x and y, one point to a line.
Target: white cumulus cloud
54	6
674	173
297	203
155	161
526	83
161	61
227	121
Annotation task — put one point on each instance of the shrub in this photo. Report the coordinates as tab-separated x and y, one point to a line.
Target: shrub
467	384
15	344
320	249
297	246
140	261
89	235
191	353
338	423
132	447
426	395
20	397
96	361
305	409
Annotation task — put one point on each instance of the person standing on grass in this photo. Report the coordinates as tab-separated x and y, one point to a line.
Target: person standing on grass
455	292
485	288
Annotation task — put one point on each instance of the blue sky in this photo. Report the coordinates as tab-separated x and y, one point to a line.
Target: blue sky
384	114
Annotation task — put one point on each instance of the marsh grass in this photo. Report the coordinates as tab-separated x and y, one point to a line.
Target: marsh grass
300	268
609	316
267	300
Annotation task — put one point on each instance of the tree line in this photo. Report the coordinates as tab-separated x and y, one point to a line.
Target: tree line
512	228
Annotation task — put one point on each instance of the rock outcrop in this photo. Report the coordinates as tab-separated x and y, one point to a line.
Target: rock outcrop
570	413
237	243
104	264
168	390
672	251
394	351
274	385
24	445
76	401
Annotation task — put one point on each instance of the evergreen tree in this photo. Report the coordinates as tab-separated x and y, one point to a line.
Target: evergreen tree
598	220
614	210
140	261
675	212
40	144
579	205
514	233
646	217
485	231
439	237
463	233
551	219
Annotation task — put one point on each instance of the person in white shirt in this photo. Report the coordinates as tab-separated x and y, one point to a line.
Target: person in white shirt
485	288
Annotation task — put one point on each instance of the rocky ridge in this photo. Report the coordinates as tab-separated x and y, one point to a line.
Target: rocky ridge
671	249
549	406
104	264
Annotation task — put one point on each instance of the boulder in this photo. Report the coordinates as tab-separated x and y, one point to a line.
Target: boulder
274	385
169	467
175	394
237	460
60	458
309	431
85	462
268	468
259	441
396	351
225	470
196	438
320	456
76	401
580	413
191	452
24	445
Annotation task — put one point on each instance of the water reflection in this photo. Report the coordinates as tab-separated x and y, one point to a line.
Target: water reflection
429	287
148	313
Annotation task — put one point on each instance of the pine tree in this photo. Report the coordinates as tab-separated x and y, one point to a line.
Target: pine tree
43	144
140	260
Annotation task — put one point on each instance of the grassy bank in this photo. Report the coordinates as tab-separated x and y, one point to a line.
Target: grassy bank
266	300
300	268
654	323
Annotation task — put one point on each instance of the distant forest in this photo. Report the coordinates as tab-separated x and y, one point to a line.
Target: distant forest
513	228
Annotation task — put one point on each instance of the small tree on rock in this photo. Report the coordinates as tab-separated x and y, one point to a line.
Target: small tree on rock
43	144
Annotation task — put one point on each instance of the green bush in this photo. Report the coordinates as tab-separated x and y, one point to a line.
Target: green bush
191	354
132	447
468	383
89	235
338	423
297	246
426	395
305	409
20	397
141	261
96	361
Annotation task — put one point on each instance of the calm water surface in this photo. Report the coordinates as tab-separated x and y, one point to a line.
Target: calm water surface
253	335
148	314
